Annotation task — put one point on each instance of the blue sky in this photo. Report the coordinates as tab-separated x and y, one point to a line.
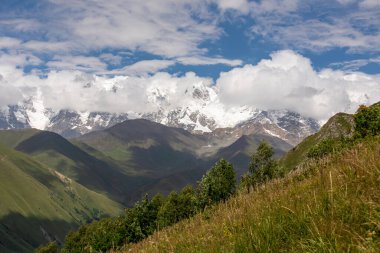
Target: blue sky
212	38
206	37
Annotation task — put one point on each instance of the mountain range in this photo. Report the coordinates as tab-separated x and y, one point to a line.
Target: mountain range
77	166
53	185
201	113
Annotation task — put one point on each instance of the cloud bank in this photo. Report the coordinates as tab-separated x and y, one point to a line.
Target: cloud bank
285	81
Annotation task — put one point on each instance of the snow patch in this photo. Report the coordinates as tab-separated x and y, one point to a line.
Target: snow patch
273	134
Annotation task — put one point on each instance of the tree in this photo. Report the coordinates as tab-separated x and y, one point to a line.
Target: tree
51	247
178	207
262	166
218	184
367	121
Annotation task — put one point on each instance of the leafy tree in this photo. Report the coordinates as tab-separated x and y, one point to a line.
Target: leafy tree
100	236
178	207
142	218
262	166
218	184
367	121
51	247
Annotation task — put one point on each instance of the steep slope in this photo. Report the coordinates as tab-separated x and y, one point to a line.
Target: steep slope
330	205
340	125
39	204
68	159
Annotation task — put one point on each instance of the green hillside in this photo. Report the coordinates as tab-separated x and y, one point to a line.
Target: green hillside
11	138
39	204
330	205
339	126
328	202
91	172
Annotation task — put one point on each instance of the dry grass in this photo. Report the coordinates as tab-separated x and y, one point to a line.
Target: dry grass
331	205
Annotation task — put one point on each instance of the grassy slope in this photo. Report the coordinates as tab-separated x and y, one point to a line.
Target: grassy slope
340	125
332	205
93	173
11	138
36	198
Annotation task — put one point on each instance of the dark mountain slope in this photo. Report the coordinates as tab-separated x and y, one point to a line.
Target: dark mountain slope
70	160
39	203
239	152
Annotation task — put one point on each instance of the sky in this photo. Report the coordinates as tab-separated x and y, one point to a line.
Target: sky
313	57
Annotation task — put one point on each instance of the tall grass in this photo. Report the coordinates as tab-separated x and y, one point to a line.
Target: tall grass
328	205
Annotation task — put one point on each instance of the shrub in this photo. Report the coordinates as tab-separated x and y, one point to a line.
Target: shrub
178	207
367	121
321	149
51	247
218	184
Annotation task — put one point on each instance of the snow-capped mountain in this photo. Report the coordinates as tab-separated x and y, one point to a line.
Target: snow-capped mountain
198	111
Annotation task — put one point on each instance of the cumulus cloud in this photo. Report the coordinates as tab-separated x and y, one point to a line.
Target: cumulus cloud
83	92
288	81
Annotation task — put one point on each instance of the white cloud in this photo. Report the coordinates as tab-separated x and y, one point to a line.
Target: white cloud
345	2
288	81
167	28
240	5
21	24
370	4
202	60
144	67
46	46
290	24
354	65
8	42
81	63
111	59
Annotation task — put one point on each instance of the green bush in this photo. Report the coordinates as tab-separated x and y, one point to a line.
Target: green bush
51	247
218	184
178	207
367	121
323	148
